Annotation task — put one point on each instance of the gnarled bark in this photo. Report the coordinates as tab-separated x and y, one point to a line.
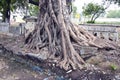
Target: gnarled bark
55	32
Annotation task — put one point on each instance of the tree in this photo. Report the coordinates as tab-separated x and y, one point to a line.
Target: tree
113	14
61	39
93	10
5	9
33	10
6	6
114	1
74	11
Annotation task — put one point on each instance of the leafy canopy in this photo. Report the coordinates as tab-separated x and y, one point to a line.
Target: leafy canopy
33	10
6	6
91	9
115	1
113	14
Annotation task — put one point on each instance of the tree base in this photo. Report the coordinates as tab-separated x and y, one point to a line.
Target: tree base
59	36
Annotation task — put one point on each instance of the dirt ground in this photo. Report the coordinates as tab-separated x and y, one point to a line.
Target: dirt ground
10	70
103	66
14	70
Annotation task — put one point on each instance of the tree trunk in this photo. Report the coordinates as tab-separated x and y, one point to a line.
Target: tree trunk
55	32
6	12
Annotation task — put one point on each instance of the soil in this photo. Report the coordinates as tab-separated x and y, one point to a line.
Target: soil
105	65
11	70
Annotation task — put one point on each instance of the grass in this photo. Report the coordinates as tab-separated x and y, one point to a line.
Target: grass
115	23
100	22
113	67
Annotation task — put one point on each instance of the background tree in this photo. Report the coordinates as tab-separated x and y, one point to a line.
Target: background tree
74	11
114	1
113	14
5	9
33	10
6	6
93	10
55	35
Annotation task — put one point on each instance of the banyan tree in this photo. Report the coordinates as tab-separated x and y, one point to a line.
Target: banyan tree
59	36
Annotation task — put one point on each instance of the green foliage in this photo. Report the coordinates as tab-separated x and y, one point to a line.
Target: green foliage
36	0
10	5
115	1
93	10
33	10
74	10
4	8
113	14
113	67
116	23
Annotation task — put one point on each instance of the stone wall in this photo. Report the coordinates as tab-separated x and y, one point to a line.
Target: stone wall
17	30
4	27
108	32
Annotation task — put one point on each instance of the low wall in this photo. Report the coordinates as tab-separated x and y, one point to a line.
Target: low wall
108	32
99	28
17	30
4	27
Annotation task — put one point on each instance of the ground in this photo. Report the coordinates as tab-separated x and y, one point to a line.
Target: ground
10	70
105	65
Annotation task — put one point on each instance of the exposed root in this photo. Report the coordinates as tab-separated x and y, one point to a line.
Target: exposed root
55	32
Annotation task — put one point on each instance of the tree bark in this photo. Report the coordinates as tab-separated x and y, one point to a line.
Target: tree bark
55	32
6	11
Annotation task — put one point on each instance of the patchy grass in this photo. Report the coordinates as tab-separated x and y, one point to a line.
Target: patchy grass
113	67
112	23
